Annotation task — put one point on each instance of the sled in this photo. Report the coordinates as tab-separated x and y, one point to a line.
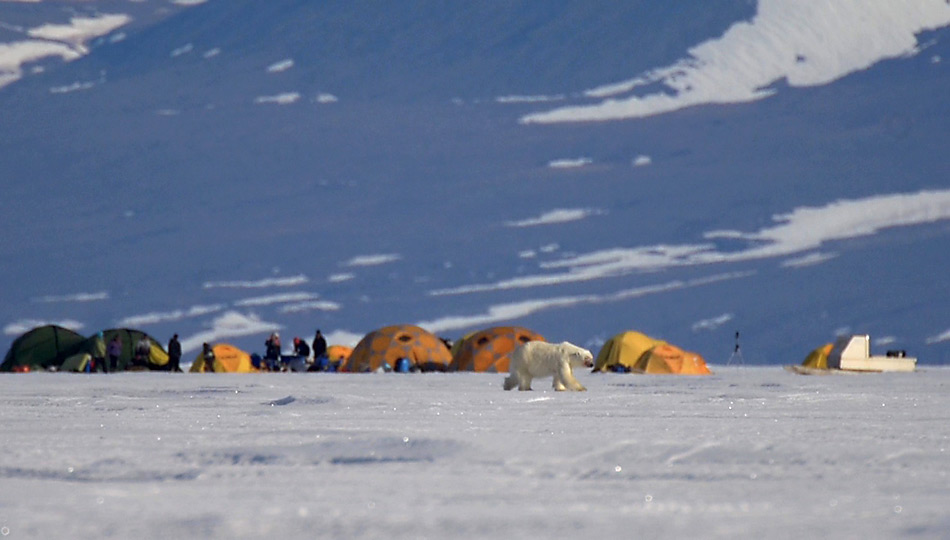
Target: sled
805	370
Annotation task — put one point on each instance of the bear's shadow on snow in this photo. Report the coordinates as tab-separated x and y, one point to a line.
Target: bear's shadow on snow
292	401
287	400
281	402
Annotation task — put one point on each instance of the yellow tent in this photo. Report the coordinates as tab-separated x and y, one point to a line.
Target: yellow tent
639	353
818	358
488	350
424	351
624	349
227	359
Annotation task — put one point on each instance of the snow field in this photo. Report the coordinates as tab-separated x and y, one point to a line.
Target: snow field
751	452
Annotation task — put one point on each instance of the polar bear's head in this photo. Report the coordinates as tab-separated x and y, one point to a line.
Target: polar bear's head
578	356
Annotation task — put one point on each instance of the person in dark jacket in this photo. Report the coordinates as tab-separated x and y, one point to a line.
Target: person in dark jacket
299	361
319	345
174	354
301	348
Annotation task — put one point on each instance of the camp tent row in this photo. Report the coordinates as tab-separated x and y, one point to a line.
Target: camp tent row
53	347
231	359
485	351
488	351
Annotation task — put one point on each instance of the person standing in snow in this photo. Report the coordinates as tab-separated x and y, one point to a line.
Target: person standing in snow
174	354
272	354
208	354
114	350
320	361
143	352
319	345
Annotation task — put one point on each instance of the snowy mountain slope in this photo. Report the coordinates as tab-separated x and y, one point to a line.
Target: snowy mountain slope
243	166
803	44
39	35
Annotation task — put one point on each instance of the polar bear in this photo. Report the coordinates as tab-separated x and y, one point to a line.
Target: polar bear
542	359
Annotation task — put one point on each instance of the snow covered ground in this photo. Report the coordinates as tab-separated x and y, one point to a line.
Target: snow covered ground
748	453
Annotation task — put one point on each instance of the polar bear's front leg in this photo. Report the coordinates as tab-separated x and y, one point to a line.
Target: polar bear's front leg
564	379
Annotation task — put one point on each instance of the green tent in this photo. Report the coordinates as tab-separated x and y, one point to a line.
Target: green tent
157	360
42	348
91	356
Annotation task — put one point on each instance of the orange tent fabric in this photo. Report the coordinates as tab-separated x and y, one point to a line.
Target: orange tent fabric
488	350
384	346
669	359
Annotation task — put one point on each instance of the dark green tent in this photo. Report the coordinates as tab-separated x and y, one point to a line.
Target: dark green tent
158	358
42	348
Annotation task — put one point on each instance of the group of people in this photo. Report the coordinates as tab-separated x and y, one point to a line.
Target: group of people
107	357
300	360
305	357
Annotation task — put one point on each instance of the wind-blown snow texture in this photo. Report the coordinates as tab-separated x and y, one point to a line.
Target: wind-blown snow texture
226	168
746	453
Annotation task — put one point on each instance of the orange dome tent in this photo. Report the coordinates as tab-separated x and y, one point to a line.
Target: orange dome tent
669	359
227	359
338	353
487	350
639	353
424	351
